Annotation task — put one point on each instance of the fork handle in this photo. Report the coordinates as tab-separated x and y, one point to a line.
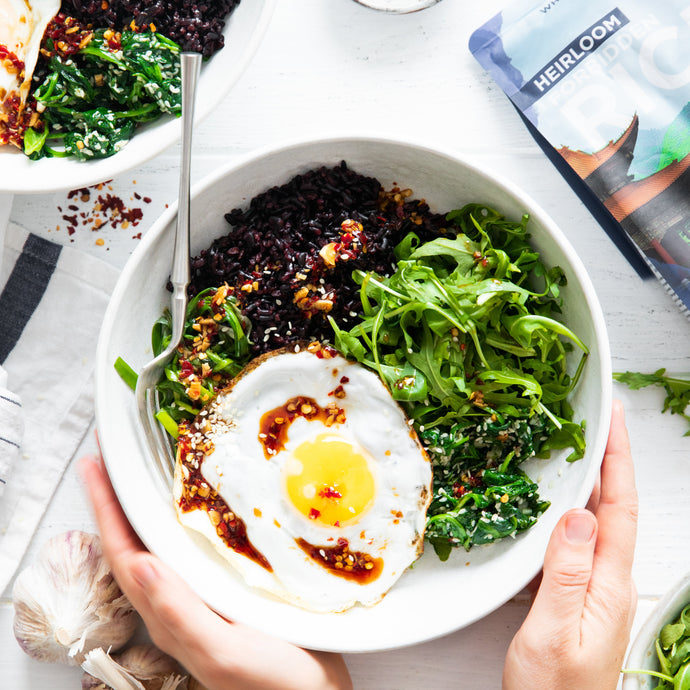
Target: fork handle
179	275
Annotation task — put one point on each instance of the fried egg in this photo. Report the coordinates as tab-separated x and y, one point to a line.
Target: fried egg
317	474
22	24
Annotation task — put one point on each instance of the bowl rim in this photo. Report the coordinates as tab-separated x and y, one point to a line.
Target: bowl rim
88	173
410	7
665	610
598	323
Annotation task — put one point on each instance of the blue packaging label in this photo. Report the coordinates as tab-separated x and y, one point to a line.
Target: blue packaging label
607	83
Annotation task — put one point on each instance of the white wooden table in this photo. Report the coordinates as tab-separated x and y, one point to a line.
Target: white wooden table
334	67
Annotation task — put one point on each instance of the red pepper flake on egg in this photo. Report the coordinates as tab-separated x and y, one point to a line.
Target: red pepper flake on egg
198	495
352	565
274	424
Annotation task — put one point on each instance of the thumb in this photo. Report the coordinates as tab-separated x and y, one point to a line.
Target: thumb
567	571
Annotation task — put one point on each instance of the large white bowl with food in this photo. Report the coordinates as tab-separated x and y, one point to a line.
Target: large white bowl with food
433	597
243	32
642	653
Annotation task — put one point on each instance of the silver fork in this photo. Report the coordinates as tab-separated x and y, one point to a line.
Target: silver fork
146	395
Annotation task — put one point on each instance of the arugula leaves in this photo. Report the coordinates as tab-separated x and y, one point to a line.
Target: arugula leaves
677	389
465	335
95	99
673	653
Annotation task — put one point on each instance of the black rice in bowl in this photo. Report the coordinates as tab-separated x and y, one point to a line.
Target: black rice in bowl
196	26
276	251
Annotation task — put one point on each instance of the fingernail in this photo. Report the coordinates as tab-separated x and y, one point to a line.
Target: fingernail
144	573
579	528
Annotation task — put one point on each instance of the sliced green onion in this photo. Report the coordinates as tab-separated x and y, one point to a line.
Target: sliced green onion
127	374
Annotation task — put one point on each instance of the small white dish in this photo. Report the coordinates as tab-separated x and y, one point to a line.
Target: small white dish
243	32
642	654
432	598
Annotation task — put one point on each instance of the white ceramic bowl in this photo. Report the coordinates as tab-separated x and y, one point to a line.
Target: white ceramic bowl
243	32
398	6
433	598
642	654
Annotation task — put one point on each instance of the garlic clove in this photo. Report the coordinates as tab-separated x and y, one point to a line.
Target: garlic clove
147	662
155	670
102	666
67	602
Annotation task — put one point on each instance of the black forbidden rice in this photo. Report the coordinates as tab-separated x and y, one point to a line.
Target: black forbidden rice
196	26
277	240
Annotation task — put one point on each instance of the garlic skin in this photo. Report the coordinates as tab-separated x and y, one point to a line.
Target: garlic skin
68	603
145	662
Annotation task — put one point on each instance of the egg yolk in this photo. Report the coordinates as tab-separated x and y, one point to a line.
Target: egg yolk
328	480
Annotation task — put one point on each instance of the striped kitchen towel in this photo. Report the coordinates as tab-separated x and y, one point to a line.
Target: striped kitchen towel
51	307
11	429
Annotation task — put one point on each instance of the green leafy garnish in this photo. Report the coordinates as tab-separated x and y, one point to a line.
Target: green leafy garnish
465	334
127	374
673	653
95	99
677	389
214	349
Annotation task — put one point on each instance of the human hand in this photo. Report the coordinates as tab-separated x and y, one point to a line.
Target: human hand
577	630
220	654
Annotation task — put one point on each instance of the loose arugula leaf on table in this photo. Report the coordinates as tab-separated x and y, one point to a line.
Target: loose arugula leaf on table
95	99
465	334
677	389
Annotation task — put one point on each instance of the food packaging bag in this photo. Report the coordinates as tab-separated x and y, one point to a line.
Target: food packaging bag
607	85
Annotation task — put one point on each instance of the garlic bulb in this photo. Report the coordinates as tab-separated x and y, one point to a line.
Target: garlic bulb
145	663
68	602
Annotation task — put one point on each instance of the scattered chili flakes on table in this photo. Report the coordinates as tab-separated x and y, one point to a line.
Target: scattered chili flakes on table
99	207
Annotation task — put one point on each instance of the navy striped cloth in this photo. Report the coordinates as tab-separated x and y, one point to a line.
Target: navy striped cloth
51	307
11	429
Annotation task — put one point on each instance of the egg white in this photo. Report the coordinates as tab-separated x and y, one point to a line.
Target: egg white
253	487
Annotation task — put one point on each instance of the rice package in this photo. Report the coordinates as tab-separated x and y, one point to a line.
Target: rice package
607	84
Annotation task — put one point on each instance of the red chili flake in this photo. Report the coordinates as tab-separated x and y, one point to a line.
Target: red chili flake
186	368
313	514
105	209
326	351
330	492
344	379
15	62
459	490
